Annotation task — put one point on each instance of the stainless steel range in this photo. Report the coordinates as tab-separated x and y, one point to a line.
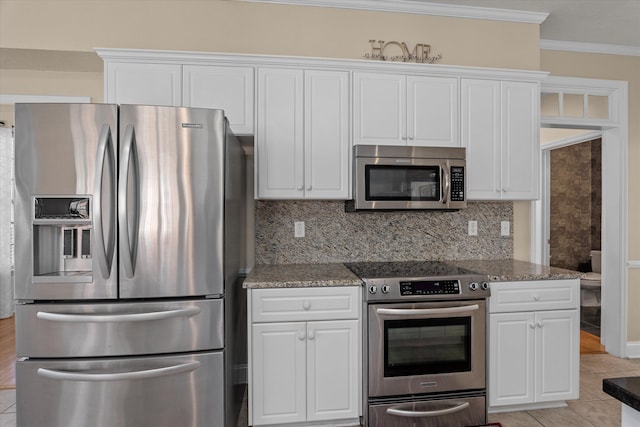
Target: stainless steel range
425	344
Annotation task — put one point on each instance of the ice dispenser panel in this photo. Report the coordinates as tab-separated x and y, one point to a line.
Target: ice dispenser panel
62	239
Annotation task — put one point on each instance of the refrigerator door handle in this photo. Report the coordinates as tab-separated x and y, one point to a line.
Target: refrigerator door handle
104	156
129	160
116	318
120	376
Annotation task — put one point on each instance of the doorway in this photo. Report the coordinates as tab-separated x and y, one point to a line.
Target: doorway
575	221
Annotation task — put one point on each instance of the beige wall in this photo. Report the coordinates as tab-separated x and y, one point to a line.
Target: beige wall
626	68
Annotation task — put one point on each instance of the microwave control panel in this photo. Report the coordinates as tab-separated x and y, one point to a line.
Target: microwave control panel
457	183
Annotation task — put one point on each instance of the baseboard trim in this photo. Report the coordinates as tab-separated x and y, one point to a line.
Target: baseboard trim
633	349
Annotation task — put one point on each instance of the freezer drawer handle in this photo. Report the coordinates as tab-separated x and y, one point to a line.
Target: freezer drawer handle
417	414
114	318
121	376
426	311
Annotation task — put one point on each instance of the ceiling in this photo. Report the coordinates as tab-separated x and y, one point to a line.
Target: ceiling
614	22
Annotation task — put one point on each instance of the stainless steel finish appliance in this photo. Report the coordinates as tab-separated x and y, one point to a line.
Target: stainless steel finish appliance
425	344
405	177
128	248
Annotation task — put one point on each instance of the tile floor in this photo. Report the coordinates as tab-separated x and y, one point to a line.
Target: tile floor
594	408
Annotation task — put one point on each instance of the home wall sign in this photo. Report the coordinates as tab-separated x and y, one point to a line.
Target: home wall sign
384	51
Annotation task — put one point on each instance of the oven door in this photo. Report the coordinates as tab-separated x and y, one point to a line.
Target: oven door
426	347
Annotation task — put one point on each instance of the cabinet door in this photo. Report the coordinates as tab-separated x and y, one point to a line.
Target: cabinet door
333	370
226	88
557	355
511	358
326	141
147	84
278	360
432	111
280	133
520	140
379	109
481	136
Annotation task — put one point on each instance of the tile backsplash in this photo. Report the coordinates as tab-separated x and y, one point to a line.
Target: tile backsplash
333	235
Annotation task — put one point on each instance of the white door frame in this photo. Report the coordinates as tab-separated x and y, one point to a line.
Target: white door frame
614	200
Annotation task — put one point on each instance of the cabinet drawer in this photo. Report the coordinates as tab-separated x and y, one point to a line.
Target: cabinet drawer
534	295
301	304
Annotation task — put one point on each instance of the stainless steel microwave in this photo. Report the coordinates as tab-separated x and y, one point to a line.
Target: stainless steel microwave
407	177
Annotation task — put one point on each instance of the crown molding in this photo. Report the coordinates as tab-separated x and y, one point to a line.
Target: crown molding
610	49
421	8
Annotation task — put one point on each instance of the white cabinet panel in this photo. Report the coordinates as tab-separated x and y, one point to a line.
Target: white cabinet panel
279	362
303	149
500	129
150	84
432	111
379	109
332	370
534	339
511	361
394	109
557	344
228	88
280	132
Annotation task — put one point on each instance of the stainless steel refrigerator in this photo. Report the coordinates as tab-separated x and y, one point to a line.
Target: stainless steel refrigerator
129	243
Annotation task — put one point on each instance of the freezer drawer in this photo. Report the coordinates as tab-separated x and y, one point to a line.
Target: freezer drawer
186	390
118	329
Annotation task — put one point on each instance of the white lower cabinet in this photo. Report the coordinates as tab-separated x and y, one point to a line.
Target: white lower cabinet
304	371
534	351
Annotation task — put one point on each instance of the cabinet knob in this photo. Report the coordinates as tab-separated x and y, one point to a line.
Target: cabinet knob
301	335
306	305
536	298
532	326
312	335
309	188
300	187
539	325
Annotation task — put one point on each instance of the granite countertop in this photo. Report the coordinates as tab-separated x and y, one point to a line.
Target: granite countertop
507	270
301	275
626	390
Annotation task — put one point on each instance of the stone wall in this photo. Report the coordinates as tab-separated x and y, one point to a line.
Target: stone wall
333	235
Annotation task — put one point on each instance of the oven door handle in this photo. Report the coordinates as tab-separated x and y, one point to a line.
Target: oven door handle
425	311
418	414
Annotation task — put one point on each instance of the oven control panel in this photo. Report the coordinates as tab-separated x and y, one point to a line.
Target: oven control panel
430	287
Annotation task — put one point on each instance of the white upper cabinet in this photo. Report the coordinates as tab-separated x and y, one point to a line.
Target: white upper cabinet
500	128
394	109
302	138
143	83
227	88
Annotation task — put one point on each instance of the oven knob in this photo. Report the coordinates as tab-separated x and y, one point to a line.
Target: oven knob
473	286
373	289
386	289
485	285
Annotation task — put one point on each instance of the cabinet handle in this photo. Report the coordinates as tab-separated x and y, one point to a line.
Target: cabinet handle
306	305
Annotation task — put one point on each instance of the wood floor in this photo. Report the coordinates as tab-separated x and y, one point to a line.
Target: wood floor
7	353
589	344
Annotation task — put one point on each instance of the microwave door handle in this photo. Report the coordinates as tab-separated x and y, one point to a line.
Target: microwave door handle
446	183
437	413
119	376
426	311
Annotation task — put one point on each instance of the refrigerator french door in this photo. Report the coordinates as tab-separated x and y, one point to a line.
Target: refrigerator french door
127	256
